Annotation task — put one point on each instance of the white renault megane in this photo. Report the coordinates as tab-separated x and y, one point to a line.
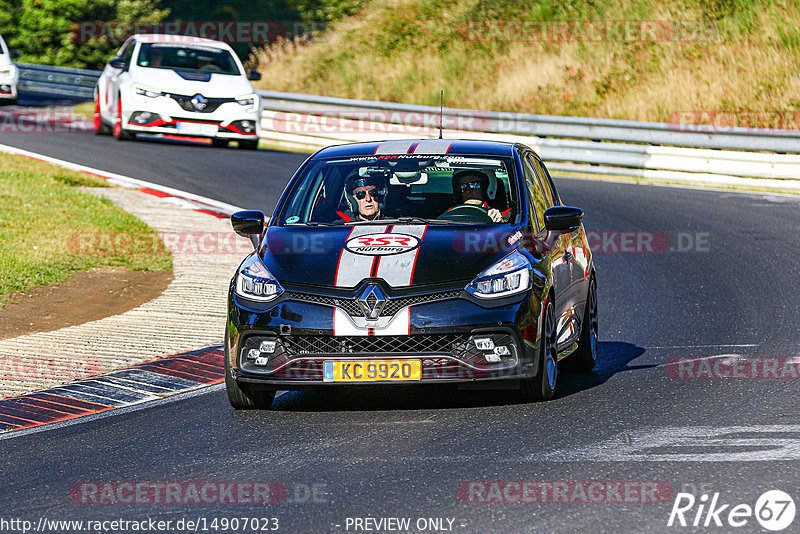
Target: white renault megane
9	74
178	86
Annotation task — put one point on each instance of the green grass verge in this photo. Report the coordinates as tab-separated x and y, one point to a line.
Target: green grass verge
43	216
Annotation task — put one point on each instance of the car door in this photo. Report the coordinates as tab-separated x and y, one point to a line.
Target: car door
559	265
562	256
110	88
579	250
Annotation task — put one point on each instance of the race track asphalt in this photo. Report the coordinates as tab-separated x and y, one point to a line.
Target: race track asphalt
399	452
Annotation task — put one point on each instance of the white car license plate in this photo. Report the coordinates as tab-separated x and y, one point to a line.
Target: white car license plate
194	128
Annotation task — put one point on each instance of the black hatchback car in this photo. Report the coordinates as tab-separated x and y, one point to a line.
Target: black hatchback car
420	261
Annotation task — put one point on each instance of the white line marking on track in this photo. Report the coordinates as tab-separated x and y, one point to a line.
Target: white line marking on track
755	443
124	181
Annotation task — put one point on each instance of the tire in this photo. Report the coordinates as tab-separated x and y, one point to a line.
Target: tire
219	143
584	358
543	385
249	145
239	395
100	126
120	133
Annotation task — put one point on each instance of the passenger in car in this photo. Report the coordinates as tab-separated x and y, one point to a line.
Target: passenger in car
471	187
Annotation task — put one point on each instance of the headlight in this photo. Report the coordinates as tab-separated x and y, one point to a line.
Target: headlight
7	72
255	282
145	93
509	276
250	101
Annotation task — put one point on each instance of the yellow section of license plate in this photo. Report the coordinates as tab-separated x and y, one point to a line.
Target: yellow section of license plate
371	370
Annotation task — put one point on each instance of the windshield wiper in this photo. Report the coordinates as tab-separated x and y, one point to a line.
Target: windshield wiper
314	223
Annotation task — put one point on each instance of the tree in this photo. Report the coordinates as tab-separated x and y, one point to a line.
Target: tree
70	33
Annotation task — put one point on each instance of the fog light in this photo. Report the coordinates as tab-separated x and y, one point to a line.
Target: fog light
5	88
502	350
248	127
492	357
484	343
267	346
252	354
144	117
262	360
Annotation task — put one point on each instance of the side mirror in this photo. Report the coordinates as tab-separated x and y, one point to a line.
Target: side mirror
247	223
118	63
253	74
565	219
14	53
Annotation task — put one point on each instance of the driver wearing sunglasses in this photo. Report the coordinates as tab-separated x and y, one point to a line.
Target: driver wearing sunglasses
365	196
470	188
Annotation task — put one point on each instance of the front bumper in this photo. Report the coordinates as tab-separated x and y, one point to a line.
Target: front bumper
441	334
163	115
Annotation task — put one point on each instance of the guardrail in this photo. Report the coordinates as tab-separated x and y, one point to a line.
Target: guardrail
600	146
673	152
57	81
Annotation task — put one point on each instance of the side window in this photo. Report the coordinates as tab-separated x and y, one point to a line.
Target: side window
535	196
548	181
128	55
541	180
126	52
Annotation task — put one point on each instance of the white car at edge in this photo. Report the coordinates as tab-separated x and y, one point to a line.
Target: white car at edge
9	74
177	86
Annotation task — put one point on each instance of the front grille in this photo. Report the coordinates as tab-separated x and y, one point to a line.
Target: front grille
392	306
422	343
445	356
212	104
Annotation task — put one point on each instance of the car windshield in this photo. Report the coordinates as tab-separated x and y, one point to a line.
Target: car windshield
187	58
417	188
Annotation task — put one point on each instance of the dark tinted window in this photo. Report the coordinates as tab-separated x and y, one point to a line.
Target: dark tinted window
541	180
187	58
537	200
547	181
126	52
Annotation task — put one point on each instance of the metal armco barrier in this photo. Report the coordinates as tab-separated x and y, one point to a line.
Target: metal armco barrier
57	81
675	152
661	151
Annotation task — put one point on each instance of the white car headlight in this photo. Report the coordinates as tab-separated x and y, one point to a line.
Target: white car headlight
250	101
255	282
144	93
7	72
509	276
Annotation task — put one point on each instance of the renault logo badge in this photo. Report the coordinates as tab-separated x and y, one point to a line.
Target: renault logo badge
372	302
199	102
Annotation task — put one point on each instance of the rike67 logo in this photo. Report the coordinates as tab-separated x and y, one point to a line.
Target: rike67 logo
774	510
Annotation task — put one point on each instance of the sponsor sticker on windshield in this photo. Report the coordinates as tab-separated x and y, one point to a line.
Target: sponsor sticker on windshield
382	244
